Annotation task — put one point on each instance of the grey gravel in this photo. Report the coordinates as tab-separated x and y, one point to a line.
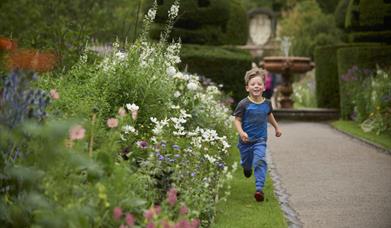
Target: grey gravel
332	180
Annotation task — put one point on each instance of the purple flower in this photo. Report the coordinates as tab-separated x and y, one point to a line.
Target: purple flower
176	147
193	174
161	157
142	144
177	155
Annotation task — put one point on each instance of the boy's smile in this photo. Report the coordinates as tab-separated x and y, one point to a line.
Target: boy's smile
255	88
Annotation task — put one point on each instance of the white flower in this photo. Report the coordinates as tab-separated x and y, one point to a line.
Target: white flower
177	94
192	86
151	14
121	55
132	107
171	71
173	11
128	128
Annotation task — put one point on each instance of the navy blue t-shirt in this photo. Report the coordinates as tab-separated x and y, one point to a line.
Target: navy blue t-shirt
254	118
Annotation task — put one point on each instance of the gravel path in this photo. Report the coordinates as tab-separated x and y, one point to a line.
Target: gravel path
332	180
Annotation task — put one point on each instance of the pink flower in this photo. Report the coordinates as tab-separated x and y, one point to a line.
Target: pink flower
171	196
195	223
54	94
129	219
165	224
123	226
112	122
150	225
183	224
183	210
158	209
121	112
117	213
134	115
149	214
76	132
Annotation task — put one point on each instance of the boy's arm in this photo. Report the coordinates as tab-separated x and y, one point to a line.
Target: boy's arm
274	123
238	124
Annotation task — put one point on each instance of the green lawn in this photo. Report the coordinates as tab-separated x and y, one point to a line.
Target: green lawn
354	129
242	211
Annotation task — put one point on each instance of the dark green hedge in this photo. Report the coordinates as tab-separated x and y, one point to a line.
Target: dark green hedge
366	15
223	22
327	6
367	57
378	36
225	66
326	77
326	74
340	13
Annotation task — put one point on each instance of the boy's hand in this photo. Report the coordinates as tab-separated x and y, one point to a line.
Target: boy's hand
278	132
244	137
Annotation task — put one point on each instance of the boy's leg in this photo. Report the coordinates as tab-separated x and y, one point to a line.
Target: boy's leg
260	165
246	158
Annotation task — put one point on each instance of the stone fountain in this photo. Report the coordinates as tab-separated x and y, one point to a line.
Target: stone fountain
286	66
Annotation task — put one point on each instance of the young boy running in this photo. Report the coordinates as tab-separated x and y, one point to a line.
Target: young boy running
251	117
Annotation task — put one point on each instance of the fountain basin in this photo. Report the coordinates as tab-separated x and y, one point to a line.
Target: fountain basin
283	65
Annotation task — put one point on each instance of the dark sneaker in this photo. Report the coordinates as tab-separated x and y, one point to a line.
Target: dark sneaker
259	196
247	172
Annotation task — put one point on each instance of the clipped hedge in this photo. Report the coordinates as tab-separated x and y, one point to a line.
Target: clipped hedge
367	57
377	36
326	74
326	77
340	13
222	22
225	66
368	15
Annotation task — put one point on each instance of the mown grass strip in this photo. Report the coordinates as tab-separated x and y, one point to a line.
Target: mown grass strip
242	211
352	128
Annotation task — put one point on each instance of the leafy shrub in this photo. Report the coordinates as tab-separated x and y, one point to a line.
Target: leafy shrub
224	66
309	28
363	56
370	93
220	22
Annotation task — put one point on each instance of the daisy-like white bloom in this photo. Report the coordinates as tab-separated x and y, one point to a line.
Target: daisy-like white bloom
128	129
132	107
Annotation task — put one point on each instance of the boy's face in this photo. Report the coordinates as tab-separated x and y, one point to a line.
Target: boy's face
255	87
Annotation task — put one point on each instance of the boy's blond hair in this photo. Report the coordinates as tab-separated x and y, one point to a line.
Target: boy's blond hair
254	72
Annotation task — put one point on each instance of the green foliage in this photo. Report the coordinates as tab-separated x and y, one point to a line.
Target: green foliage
223	65
66	27
370	36
309	28
365	57
370	93
340	13
326	71
368	15
327	6
354	128
221	22
304	92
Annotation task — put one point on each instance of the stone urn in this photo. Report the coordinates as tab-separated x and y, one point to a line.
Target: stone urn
286	66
